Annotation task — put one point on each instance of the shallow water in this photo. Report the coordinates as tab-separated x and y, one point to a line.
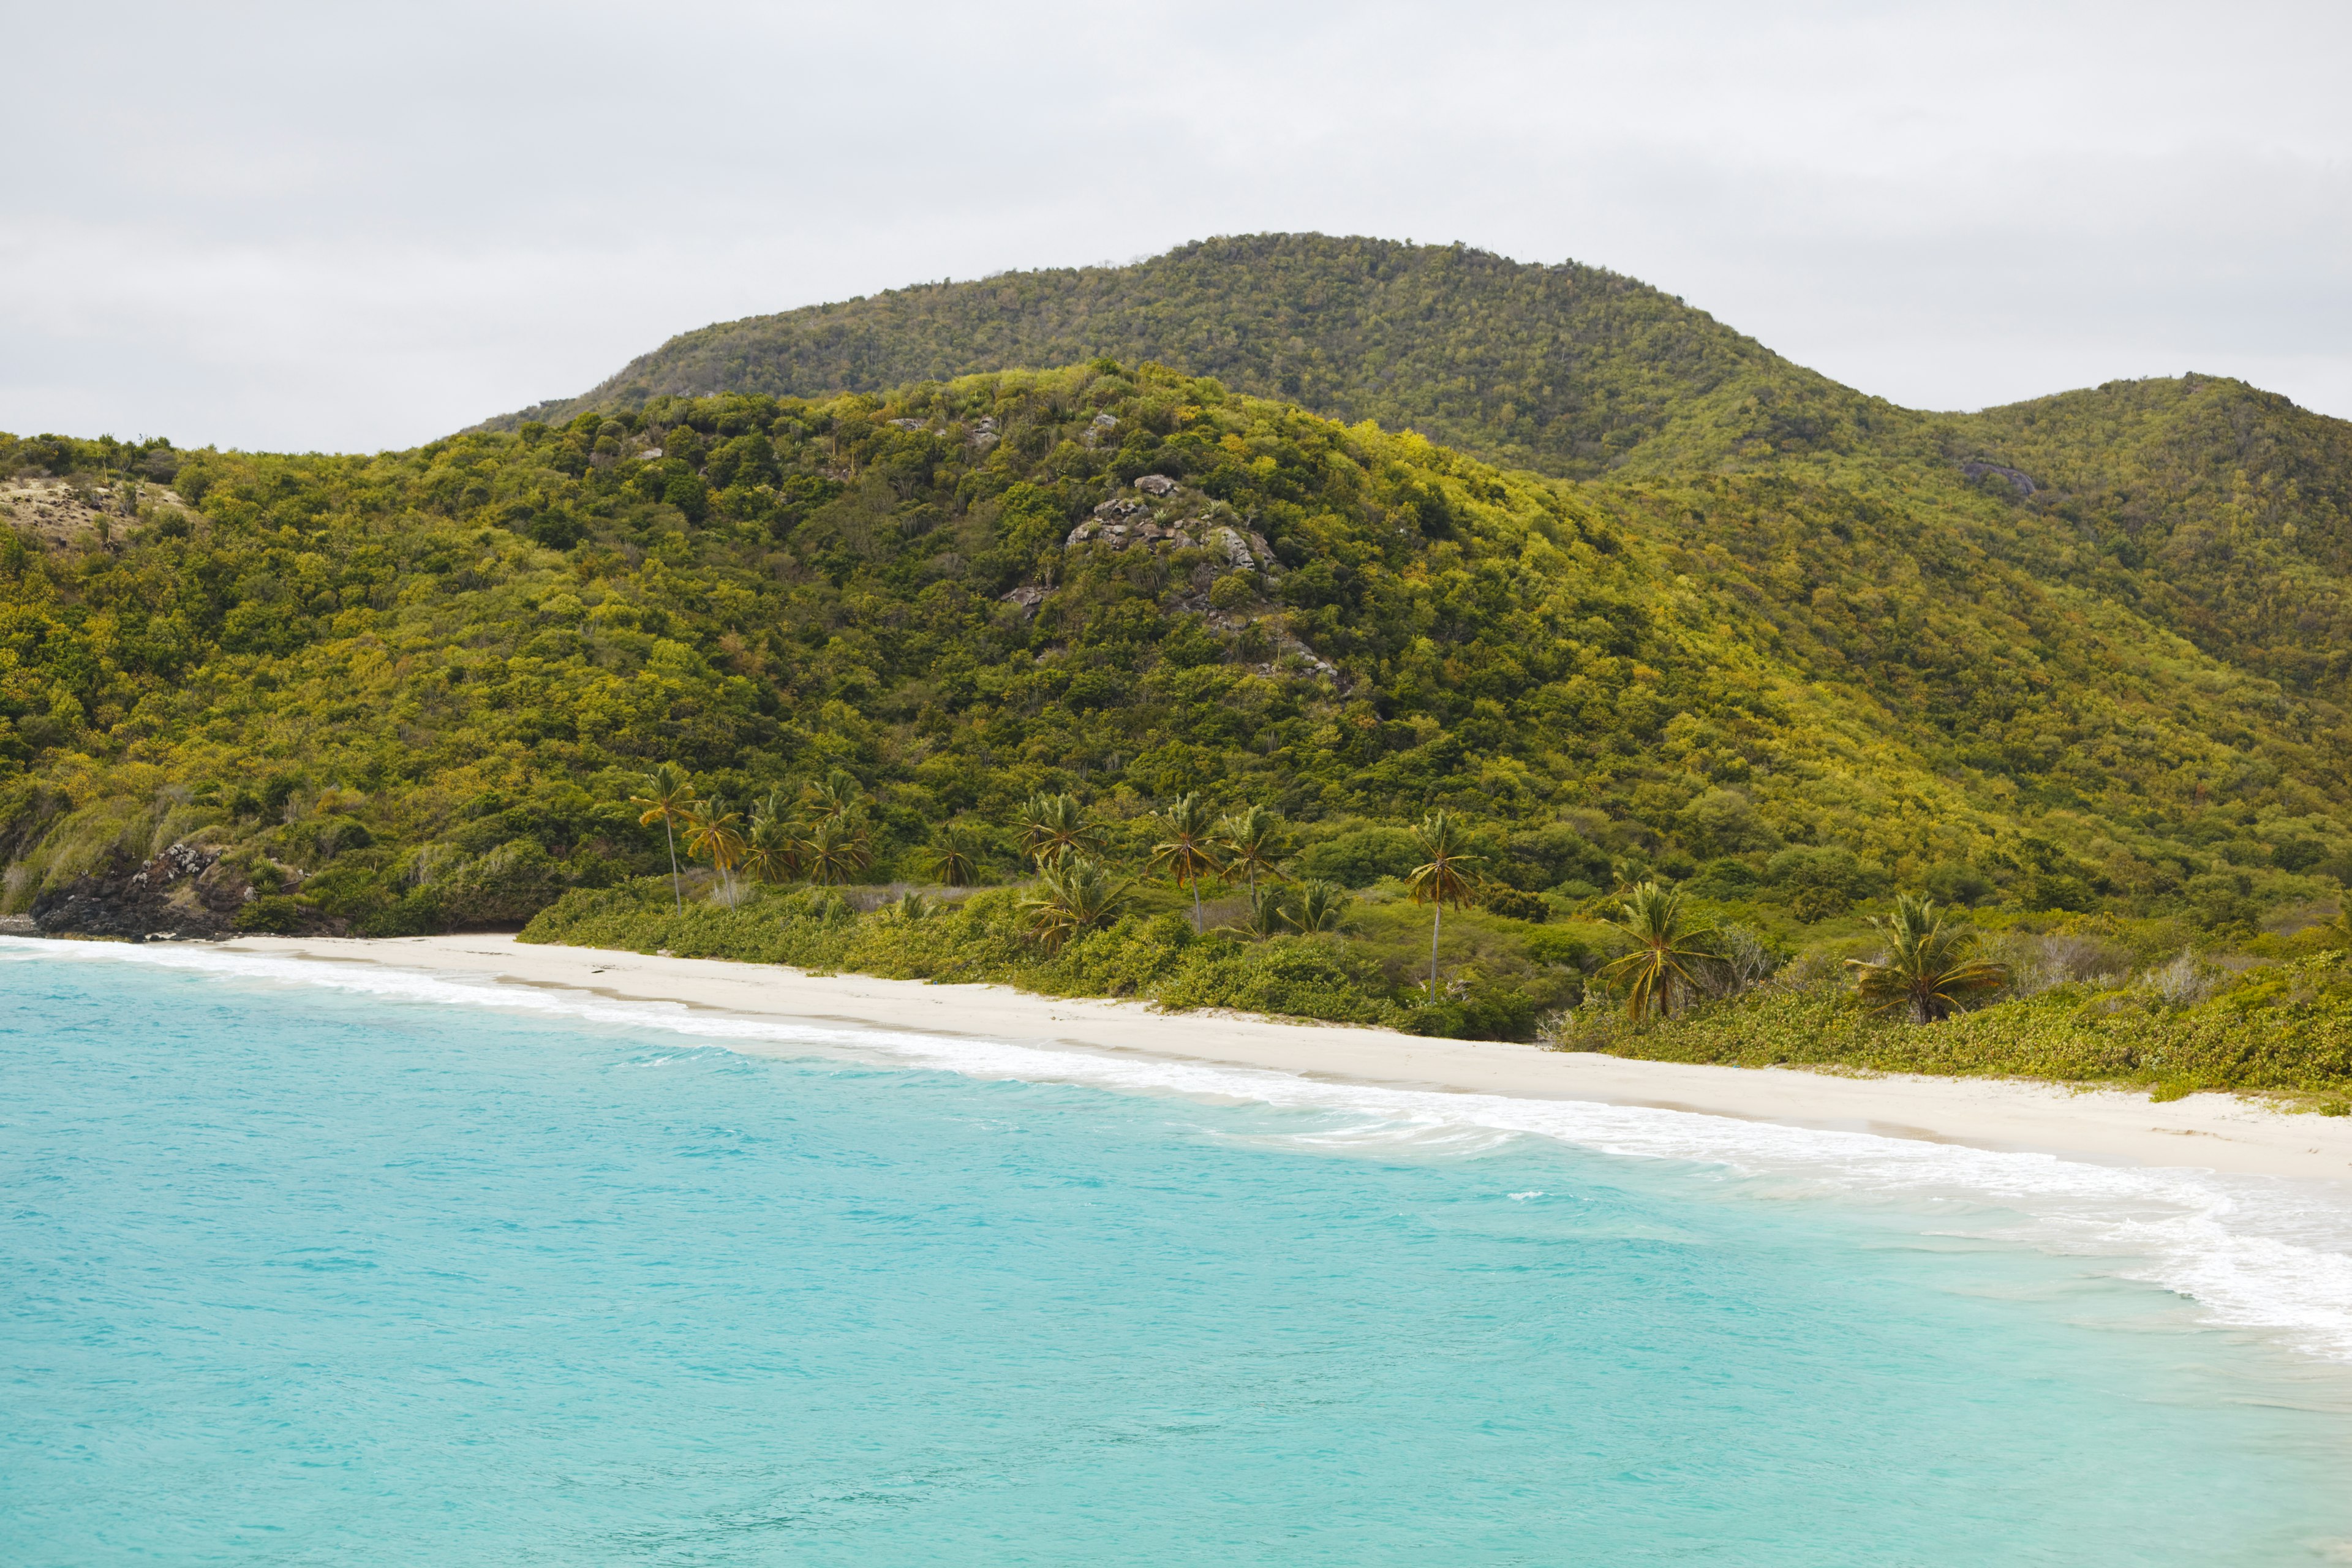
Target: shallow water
354	1267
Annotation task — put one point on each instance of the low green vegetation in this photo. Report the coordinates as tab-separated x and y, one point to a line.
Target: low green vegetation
2074	998
2173	1025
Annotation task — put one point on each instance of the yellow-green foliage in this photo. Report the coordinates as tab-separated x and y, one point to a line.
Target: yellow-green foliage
2289	1028
987	938
1787	673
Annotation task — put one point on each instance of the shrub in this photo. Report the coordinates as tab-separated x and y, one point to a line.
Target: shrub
278	915
1503	899
506	886
1360	859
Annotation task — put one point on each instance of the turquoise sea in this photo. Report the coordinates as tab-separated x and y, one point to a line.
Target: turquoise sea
328	1264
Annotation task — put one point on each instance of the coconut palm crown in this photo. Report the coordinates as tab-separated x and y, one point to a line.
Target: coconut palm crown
1929	970
1053	826
770	852
1187	849
1251	841
714	833
1075	894
955	854
1663	967
834	849
1318	906
838	794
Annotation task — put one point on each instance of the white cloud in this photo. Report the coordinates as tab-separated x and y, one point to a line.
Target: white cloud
297	227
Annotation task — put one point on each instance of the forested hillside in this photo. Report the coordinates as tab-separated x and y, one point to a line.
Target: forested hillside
401	692
2074	668
2216	510
2219	510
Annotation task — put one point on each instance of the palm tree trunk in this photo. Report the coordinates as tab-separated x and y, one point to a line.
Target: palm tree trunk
1196	906
666	839
1435	922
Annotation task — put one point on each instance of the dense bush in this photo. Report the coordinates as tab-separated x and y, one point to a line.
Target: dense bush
1149	957
2288	1029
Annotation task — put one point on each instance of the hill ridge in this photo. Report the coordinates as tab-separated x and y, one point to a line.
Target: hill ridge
1582	365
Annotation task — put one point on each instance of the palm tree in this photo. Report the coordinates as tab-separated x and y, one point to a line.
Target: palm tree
669	792
955	854
1318	906
1190	850
770	852
1053	826
1930	970
834	849
1447	879
908	907
1076	894
711	835
1666	947
1262	917
837	793
1251	840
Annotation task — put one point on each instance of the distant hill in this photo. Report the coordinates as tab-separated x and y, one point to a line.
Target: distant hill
1566	369
2217	509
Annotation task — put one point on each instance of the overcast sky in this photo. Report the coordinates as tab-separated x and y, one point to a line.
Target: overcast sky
356	227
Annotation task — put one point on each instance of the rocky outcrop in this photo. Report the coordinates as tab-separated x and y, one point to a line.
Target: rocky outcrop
75	512
1175	519
2018	480
1181	522
185	893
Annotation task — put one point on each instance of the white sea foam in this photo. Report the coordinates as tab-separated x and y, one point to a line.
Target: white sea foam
2270	1254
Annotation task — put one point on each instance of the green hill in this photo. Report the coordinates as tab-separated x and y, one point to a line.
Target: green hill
2076	664
2216	510
1569	370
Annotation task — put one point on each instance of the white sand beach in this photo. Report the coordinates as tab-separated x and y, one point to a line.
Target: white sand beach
2214	1132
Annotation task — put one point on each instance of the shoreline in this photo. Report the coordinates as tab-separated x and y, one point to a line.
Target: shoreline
2101	1126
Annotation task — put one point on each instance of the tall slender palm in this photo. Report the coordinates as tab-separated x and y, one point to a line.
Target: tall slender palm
670	790
715	833
955	854
1053	826
1930	970
1448	877
1666	953
1188	848
1318	906
1251	841
1076	894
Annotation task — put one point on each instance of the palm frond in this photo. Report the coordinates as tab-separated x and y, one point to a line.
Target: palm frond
1663	964
1262	916
1075	894
1929	970
1317	905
